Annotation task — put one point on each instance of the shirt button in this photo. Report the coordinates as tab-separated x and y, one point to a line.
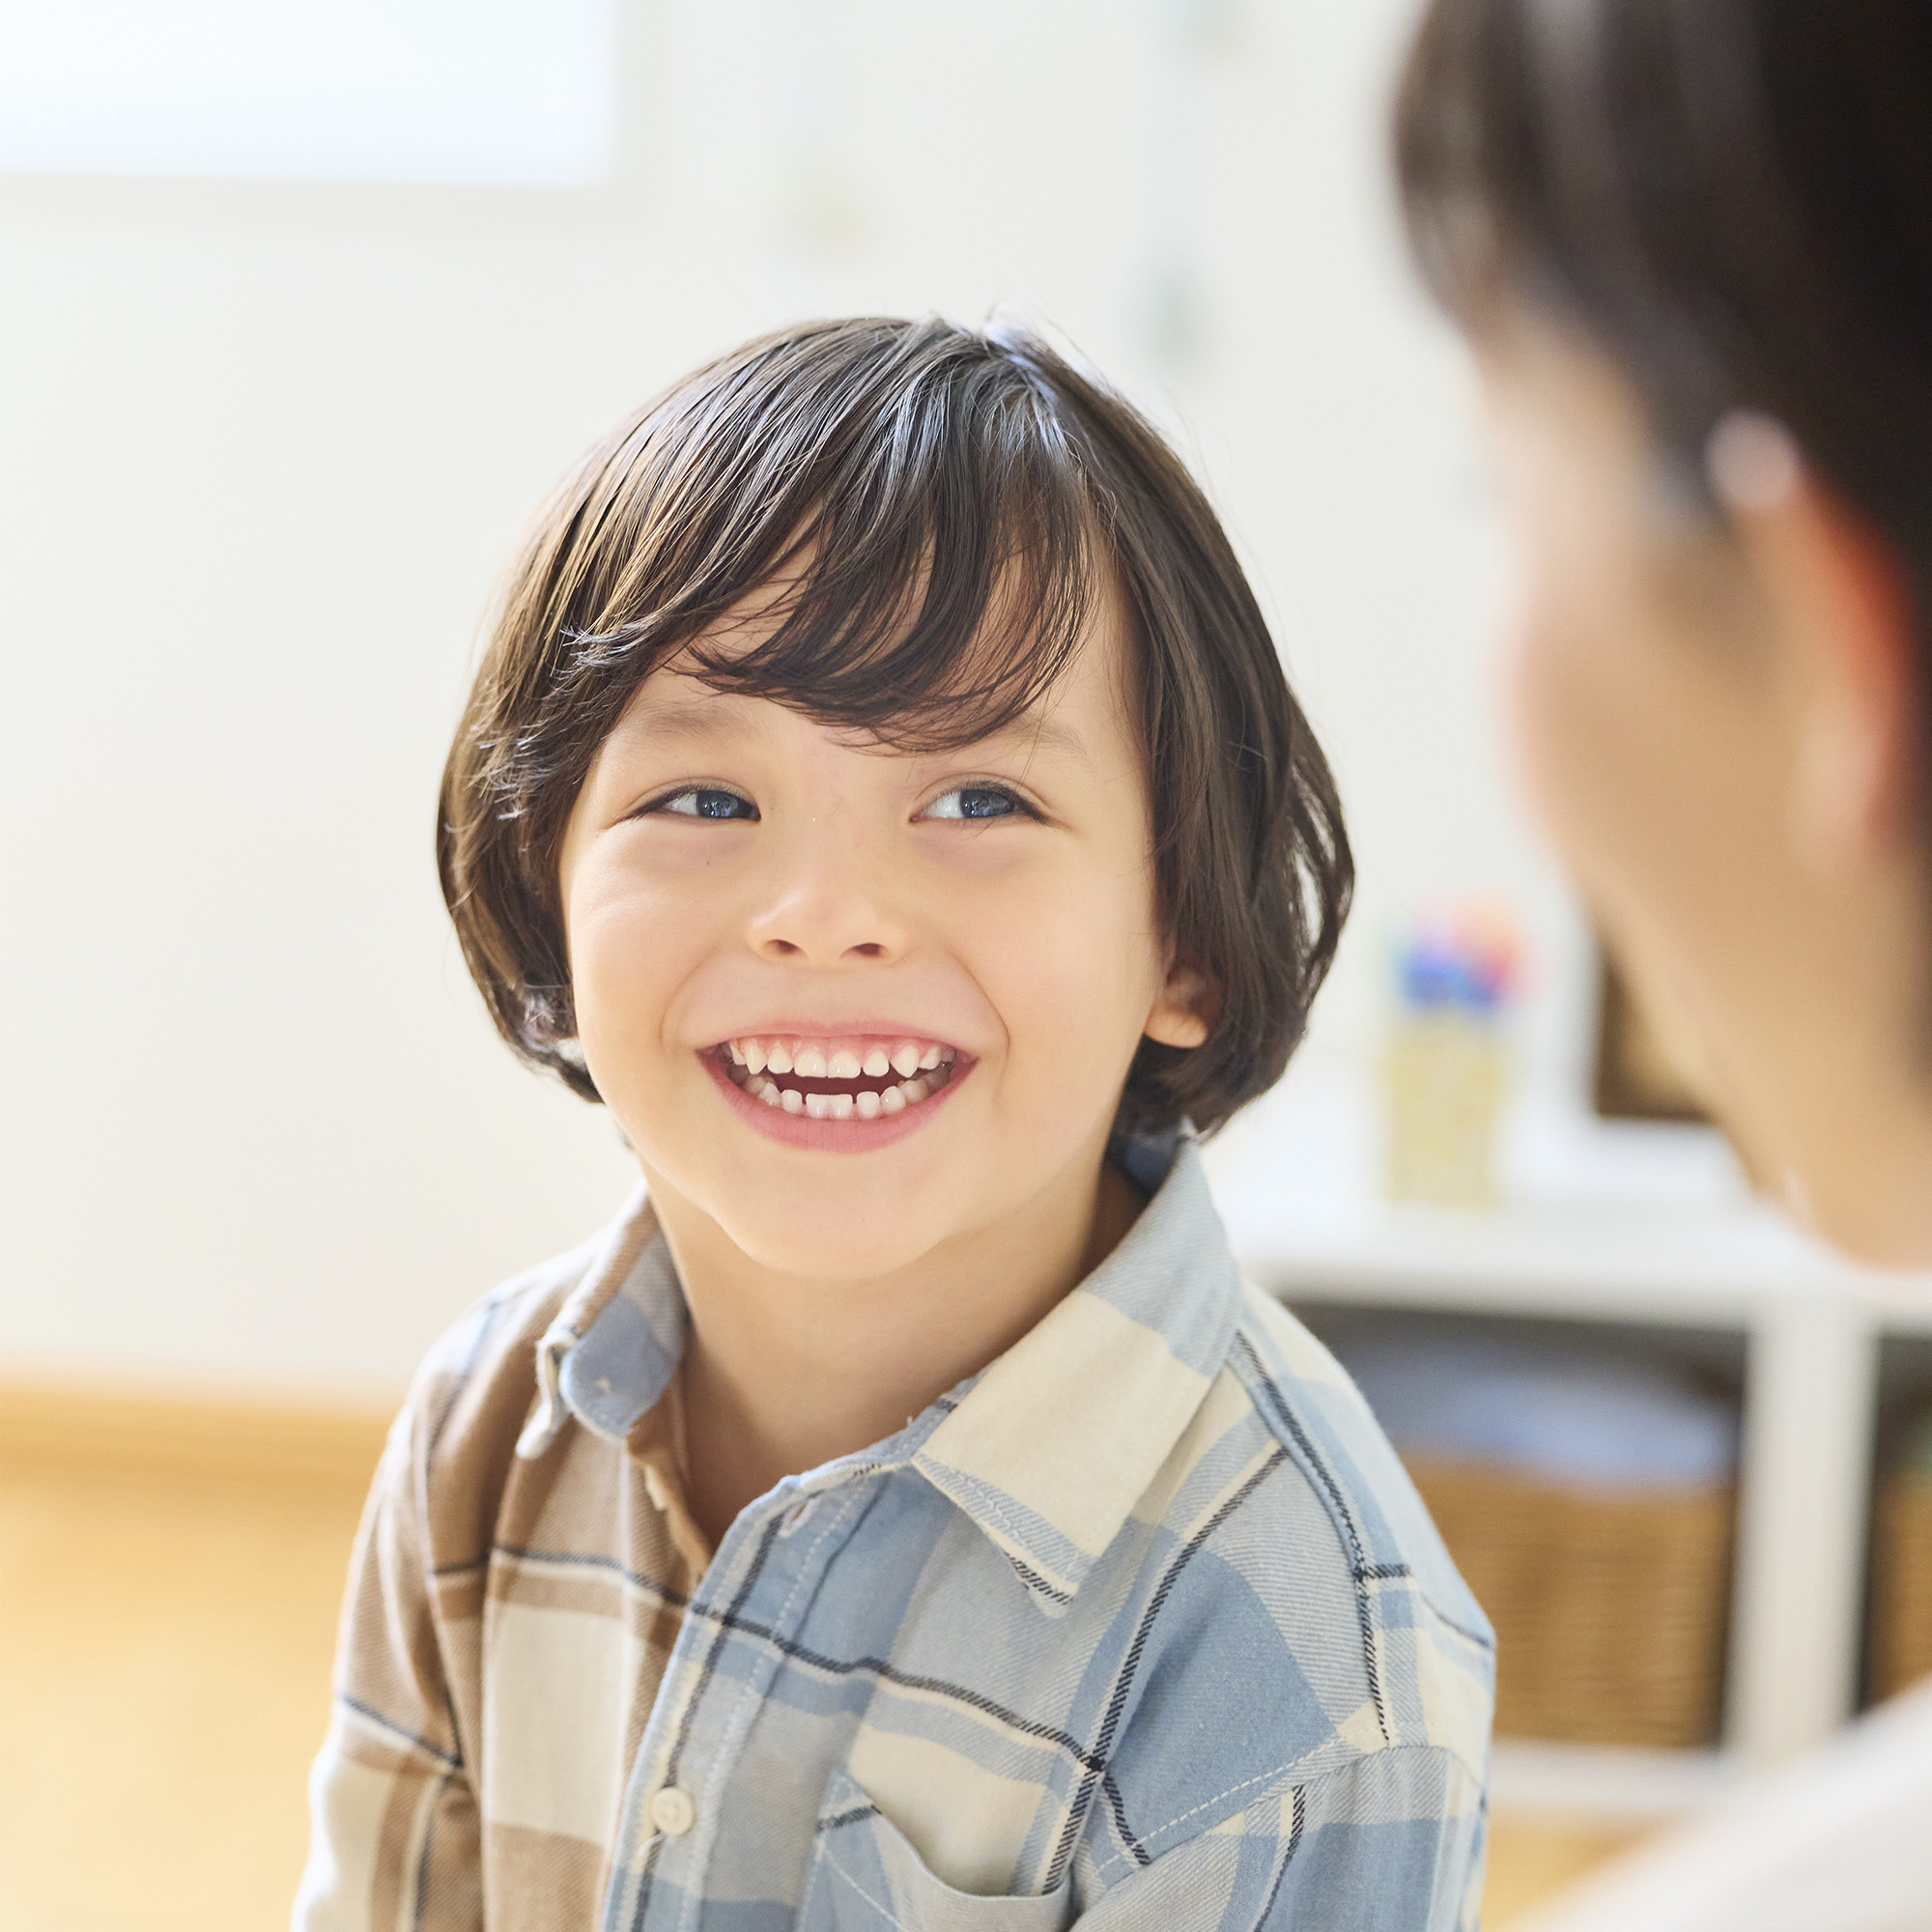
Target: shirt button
672	1812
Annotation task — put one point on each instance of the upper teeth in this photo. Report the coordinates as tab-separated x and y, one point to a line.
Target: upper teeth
838	1060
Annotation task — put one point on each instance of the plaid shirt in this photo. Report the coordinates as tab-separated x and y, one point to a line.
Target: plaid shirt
1143	1625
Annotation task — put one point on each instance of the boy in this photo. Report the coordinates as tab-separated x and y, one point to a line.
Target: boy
881	792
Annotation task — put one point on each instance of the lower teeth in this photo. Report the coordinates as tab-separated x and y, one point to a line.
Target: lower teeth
867	1104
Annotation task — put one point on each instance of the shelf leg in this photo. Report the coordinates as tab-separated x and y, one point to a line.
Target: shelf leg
1798	1590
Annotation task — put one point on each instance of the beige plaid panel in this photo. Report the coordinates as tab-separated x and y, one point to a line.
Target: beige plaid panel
506	1586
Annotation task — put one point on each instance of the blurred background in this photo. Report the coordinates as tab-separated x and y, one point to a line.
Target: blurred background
304	308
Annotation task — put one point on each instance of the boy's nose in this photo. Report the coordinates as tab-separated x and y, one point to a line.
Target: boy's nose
828	907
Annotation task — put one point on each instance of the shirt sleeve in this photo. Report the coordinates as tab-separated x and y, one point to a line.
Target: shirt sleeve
1392	1843
394	1831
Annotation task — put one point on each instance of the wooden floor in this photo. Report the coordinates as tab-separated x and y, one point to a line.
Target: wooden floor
167	1613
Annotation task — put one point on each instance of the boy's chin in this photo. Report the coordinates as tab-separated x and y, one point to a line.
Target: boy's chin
828	1248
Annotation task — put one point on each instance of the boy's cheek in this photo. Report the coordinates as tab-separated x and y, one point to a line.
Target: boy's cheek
1077	956
620	1053
629	939
621	1000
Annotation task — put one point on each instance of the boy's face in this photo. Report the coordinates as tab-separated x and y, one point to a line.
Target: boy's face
852	1003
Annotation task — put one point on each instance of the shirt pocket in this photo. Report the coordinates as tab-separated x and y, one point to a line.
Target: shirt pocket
865	1877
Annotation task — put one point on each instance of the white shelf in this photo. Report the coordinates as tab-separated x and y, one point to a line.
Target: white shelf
1611	1787
1634	1263
1630	1221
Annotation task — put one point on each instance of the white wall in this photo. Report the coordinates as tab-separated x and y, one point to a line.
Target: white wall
263	449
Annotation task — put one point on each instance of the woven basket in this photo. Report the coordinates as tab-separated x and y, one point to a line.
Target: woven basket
1901	1584
1609	1607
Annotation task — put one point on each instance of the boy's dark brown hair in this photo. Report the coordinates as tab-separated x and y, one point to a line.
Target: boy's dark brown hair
947	505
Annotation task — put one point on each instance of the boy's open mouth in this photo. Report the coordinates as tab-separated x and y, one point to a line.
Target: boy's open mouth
837	1079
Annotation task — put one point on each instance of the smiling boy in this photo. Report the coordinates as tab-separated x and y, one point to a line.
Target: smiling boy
882	793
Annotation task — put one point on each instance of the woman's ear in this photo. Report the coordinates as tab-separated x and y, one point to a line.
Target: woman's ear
1847	624
1189	1004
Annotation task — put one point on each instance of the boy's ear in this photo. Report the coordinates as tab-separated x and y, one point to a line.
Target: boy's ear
1189	1004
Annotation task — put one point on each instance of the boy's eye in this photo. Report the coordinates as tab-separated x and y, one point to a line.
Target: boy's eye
705	802
976	800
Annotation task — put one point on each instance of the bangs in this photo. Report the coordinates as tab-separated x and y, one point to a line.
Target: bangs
918	535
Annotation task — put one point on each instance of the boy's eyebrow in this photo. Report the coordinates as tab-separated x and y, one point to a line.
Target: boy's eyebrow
1042	731
694	717
698	717
690	718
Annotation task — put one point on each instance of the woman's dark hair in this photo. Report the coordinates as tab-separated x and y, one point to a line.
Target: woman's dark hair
945	507
1733	198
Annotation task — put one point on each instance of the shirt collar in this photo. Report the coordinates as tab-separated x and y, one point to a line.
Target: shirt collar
1047	1450
609	1353
1054	1444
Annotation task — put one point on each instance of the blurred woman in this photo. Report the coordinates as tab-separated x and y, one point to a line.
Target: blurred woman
1691	241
